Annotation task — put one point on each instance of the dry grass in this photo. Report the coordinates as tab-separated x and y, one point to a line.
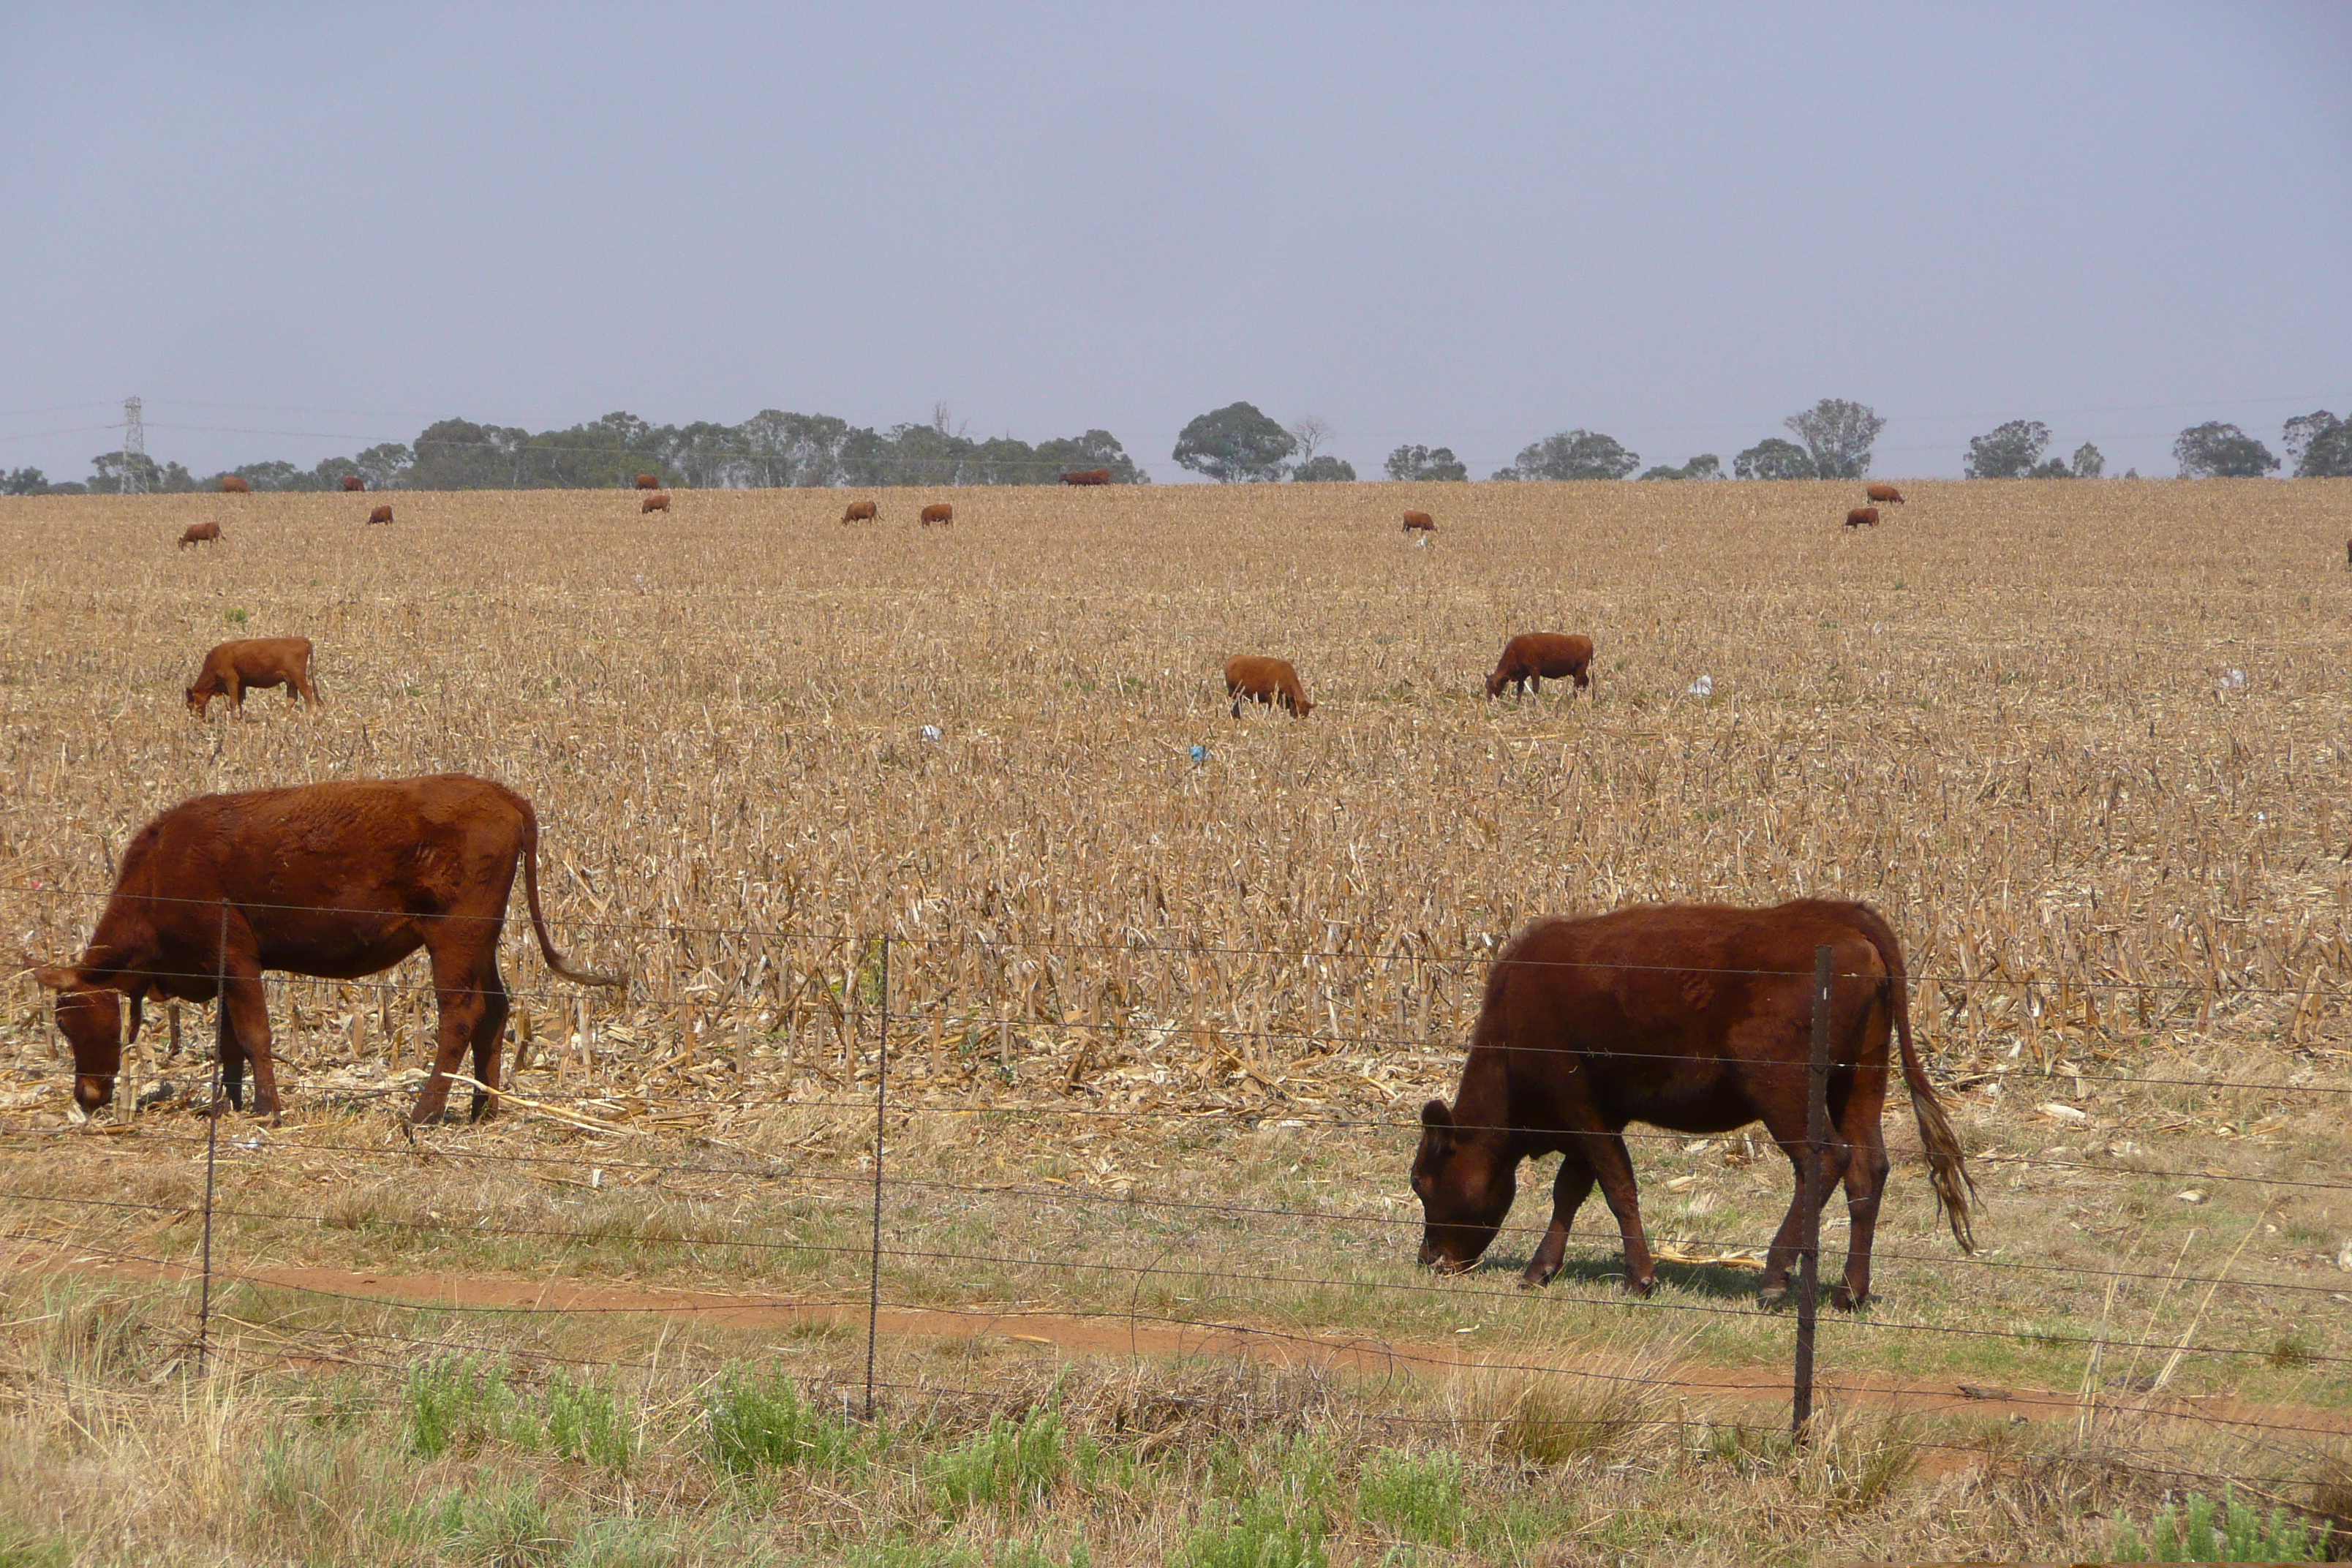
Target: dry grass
2008	717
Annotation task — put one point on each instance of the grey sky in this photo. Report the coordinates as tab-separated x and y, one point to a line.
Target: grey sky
1462	227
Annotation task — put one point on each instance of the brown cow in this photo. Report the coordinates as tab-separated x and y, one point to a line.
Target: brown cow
656	501
1088	477
1883	493
233	486
859	512
647	482
1863	517
339	879
353	483
200	533
938	511
381	514
1419	522
1531	657
1258	679
234	668
1690	1017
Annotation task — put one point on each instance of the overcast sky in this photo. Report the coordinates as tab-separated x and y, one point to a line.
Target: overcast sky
298	230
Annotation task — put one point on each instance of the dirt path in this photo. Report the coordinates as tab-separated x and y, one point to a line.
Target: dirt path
1701	1384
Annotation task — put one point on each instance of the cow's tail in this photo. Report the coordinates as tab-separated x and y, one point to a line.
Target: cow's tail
555	960
1947	1171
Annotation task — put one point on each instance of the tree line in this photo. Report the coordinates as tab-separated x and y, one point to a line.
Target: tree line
1235	444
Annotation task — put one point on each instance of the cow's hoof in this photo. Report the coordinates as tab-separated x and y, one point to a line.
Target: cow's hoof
1639	1287
1845	1300
438	1116
1772	1296
1533	1281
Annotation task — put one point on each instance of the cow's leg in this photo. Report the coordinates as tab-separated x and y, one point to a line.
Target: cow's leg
1836	1154
236	689
1605	1150
309	692
1569	1191
1237	703
244	1013
488	1031
1858	1123
457	984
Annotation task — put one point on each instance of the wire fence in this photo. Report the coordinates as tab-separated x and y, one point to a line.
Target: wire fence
827	1025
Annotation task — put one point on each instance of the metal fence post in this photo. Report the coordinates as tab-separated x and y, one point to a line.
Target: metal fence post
212	1141
1809	1217
881	1101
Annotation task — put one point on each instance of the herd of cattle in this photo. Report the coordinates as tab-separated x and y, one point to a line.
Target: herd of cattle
1693	1018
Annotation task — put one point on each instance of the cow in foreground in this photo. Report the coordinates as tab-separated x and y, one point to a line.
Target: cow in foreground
353	483
1690	1017
1254	677
1883	493
656	501
233	486
938	511
1533	657
859	512
381	514
1863	517
205	532
648	482
1419	522
234	668
342	880
1088	477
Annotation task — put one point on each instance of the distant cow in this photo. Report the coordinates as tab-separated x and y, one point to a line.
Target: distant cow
1533	657
1088	477
1419	522
234	668
200	533
381	514
1883	493
1693	1018
859	512
353	483
1254	677
1863	517
938	511
655	500
647	482
233	486
339	879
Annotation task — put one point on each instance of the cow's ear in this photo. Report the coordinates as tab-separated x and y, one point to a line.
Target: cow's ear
1437	1121
57	977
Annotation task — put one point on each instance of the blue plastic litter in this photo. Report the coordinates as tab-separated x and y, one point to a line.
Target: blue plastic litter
1199	755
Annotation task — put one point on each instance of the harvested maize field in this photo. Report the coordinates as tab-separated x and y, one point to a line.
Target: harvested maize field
947	835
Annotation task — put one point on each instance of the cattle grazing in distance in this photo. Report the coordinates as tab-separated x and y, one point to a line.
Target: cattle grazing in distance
1088	477
938	511
859	512
1693	1018
205	532
1254	677
381	514
655	500
353	483
648	482
1883	493
1419	522
342	880
1863	517
1534	657
233	486
234	668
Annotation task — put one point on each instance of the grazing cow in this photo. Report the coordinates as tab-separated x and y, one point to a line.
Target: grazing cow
1419	522
1693	1018
381	514
206	532
860	511
233	486
1088	477
656	501
341	880
234	668
353	483
647	482
938	511
1863	517
1531	657
1883	493
1257	678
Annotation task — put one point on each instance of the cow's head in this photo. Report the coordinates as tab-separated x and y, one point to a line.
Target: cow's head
91	1018
200	697
1496	681
1465	1187
1303	707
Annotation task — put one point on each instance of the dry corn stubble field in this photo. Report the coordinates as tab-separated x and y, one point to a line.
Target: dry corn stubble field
2085	744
